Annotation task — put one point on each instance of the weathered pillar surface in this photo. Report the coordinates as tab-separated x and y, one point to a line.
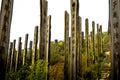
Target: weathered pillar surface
9	57
115	33
48	37
82	46
18	63
74	14
91	48
34	54
5	24
93	40
78	46
86	41
70	60
12	62
98	41
25	50
101	41
82	42
43	25
30	53
44	37
66	45
98	48
41	54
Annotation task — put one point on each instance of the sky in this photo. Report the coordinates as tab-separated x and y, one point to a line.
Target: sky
26	15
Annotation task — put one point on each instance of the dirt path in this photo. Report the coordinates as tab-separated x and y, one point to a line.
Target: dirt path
57	71
105	73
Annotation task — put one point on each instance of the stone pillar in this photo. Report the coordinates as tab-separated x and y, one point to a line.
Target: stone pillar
25	50
34	54
98	49
74	14
9	57
101	41
5	25
115	33
82	42
93	40
91	48
70	60
82	50
43	26
78	45
30	52
48	38
18	56
98	42
66	44
86	41
12	62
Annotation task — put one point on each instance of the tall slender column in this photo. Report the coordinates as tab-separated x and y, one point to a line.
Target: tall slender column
25	50
66	45
34	54
12	62
86	40
5	25
74	14
43	26
93	39
115	33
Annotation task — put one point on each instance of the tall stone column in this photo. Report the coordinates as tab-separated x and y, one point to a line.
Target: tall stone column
98	42
93	39
101	39
48	38
66	44
18	60
9	57
30	52
25	50
12	62
34	53
86	41
70	60
5	25
74	14
82	42
48	41
43	26
78	45
98	48
91	48
115	33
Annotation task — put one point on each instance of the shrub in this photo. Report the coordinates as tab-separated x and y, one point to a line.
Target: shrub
39	70
11	75
34	72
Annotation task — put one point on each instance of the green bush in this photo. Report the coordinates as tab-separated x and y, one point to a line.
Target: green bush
91	72
24	72
34	72
39	70
11	75
56	52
